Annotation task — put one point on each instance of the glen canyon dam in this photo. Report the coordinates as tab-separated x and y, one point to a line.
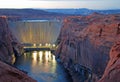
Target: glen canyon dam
59	41
36	31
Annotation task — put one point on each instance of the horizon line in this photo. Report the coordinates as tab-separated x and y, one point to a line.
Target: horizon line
63	8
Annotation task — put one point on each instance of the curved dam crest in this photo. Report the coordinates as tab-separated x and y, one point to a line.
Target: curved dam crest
36	31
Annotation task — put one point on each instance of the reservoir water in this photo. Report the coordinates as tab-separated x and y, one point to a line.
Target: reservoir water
42	66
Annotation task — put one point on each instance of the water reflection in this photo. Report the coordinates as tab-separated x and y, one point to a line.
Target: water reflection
53	58
40	56
50	55
42	66
46	56
34	58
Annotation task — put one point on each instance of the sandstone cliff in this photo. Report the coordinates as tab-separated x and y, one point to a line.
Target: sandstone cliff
112	71
9	46
85	42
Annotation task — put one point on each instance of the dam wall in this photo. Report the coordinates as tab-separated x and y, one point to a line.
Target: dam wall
36	31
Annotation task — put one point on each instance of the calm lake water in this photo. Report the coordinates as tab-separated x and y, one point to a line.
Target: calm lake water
42	66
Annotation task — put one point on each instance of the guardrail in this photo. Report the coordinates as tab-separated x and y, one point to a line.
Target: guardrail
39	48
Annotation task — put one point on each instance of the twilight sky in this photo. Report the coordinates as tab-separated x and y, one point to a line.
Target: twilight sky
91	4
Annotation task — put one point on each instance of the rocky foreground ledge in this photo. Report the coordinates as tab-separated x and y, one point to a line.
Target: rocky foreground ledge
84	45
9	48
11	74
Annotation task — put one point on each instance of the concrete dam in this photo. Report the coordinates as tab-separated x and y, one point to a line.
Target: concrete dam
38	60
36	32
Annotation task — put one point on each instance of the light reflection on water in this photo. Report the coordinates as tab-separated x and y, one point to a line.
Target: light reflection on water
40	55
42	66
34	57
43	57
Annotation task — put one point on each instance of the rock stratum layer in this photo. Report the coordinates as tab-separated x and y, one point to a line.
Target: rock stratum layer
85	42
112	71
9	47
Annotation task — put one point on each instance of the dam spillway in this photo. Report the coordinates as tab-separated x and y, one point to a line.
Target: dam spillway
36	31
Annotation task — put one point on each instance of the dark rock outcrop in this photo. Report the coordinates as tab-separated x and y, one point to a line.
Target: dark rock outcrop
112	71
85	41
9	46
10	74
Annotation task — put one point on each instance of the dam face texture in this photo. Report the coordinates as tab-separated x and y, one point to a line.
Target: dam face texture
36	31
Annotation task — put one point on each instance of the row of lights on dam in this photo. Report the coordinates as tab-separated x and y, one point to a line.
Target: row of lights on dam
47	44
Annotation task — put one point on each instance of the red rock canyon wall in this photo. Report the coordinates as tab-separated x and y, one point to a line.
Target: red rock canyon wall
85	42
9	47
112	71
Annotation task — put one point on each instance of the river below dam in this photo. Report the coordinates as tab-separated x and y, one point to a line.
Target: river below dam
42	66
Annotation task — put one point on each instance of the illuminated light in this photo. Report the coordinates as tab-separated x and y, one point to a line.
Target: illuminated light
49	55
49	52
46	56
24	47
25	55
54	63
46	44
53	45
13	59
53	57
34	45
40	55
40	44
34	56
